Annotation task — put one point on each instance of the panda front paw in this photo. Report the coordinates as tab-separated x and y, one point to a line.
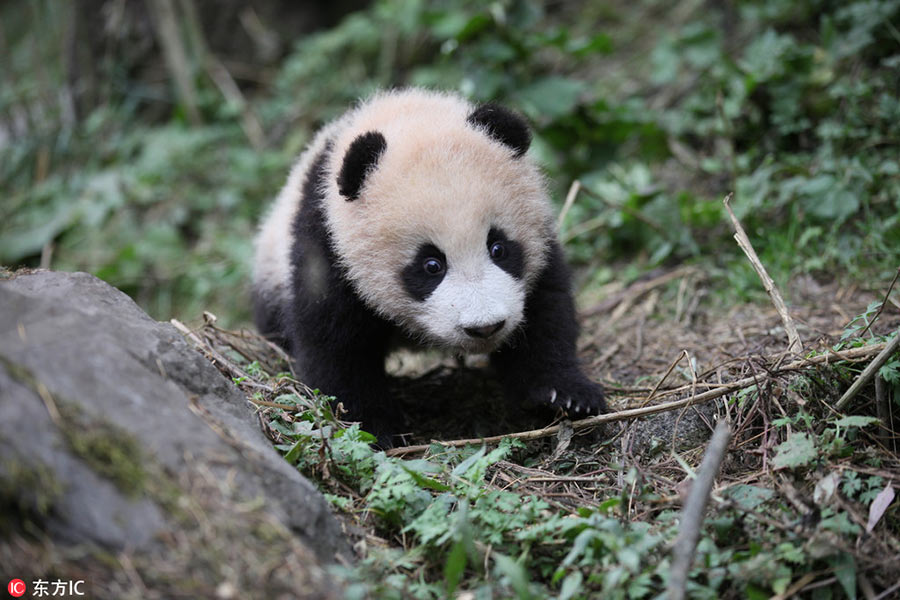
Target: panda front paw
577	397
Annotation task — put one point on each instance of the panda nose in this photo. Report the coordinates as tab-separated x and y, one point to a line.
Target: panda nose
484	331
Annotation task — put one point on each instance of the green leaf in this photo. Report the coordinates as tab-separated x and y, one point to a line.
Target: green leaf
844	566
426	482
799	450
839	523
294	453
550	97
433	523
515	573
630	559
890	372
454	567
608	504
571	585
362	436
748	496
600	44
463	467
855	421
791	553
764	57
757	593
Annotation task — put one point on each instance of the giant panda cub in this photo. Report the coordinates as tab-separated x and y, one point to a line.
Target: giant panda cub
417	215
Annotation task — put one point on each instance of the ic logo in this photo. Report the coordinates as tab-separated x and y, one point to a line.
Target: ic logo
16	588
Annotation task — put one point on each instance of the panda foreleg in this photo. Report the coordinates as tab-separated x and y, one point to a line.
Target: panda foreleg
340	349
359	384
539	365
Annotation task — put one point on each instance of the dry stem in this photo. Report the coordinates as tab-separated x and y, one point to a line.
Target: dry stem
869	372
683	354
694	508
570	200
795	346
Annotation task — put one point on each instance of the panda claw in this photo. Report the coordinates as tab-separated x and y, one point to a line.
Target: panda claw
568	404
552	395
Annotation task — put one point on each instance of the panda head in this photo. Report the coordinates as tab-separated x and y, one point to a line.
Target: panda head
440	221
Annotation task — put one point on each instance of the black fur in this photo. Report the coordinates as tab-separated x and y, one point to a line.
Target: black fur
540	358
339	343
268	314
361	157
503	125
416	281
513	260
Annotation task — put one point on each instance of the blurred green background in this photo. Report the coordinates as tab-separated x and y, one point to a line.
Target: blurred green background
142	140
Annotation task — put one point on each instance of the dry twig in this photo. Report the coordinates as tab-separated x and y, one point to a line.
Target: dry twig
796	586
570	200
683	354
216	357
795	346
869	372
694	508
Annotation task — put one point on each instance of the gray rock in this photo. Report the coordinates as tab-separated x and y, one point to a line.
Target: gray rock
120	438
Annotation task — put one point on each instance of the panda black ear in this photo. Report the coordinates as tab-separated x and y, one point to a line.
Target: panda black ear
360	159
502	124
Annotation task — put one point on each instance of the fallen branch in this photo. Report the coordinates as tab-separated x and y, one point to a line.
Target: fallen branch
869	372
694	509
634	413
795	346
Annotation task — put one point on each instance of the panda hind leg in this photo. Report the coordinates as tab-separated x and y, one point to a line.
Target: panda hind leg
269	316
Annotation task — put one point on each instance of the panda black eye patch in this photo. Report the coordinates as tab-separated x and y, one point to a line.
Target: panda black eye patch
424	272
506	253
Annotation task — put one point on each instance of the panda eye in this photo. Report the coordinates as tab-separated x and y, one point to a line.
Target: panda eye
497	250
433	266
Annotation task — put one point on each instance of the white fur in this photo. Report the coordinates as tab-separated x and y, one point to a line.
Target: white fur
439	181
472	295
272	258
